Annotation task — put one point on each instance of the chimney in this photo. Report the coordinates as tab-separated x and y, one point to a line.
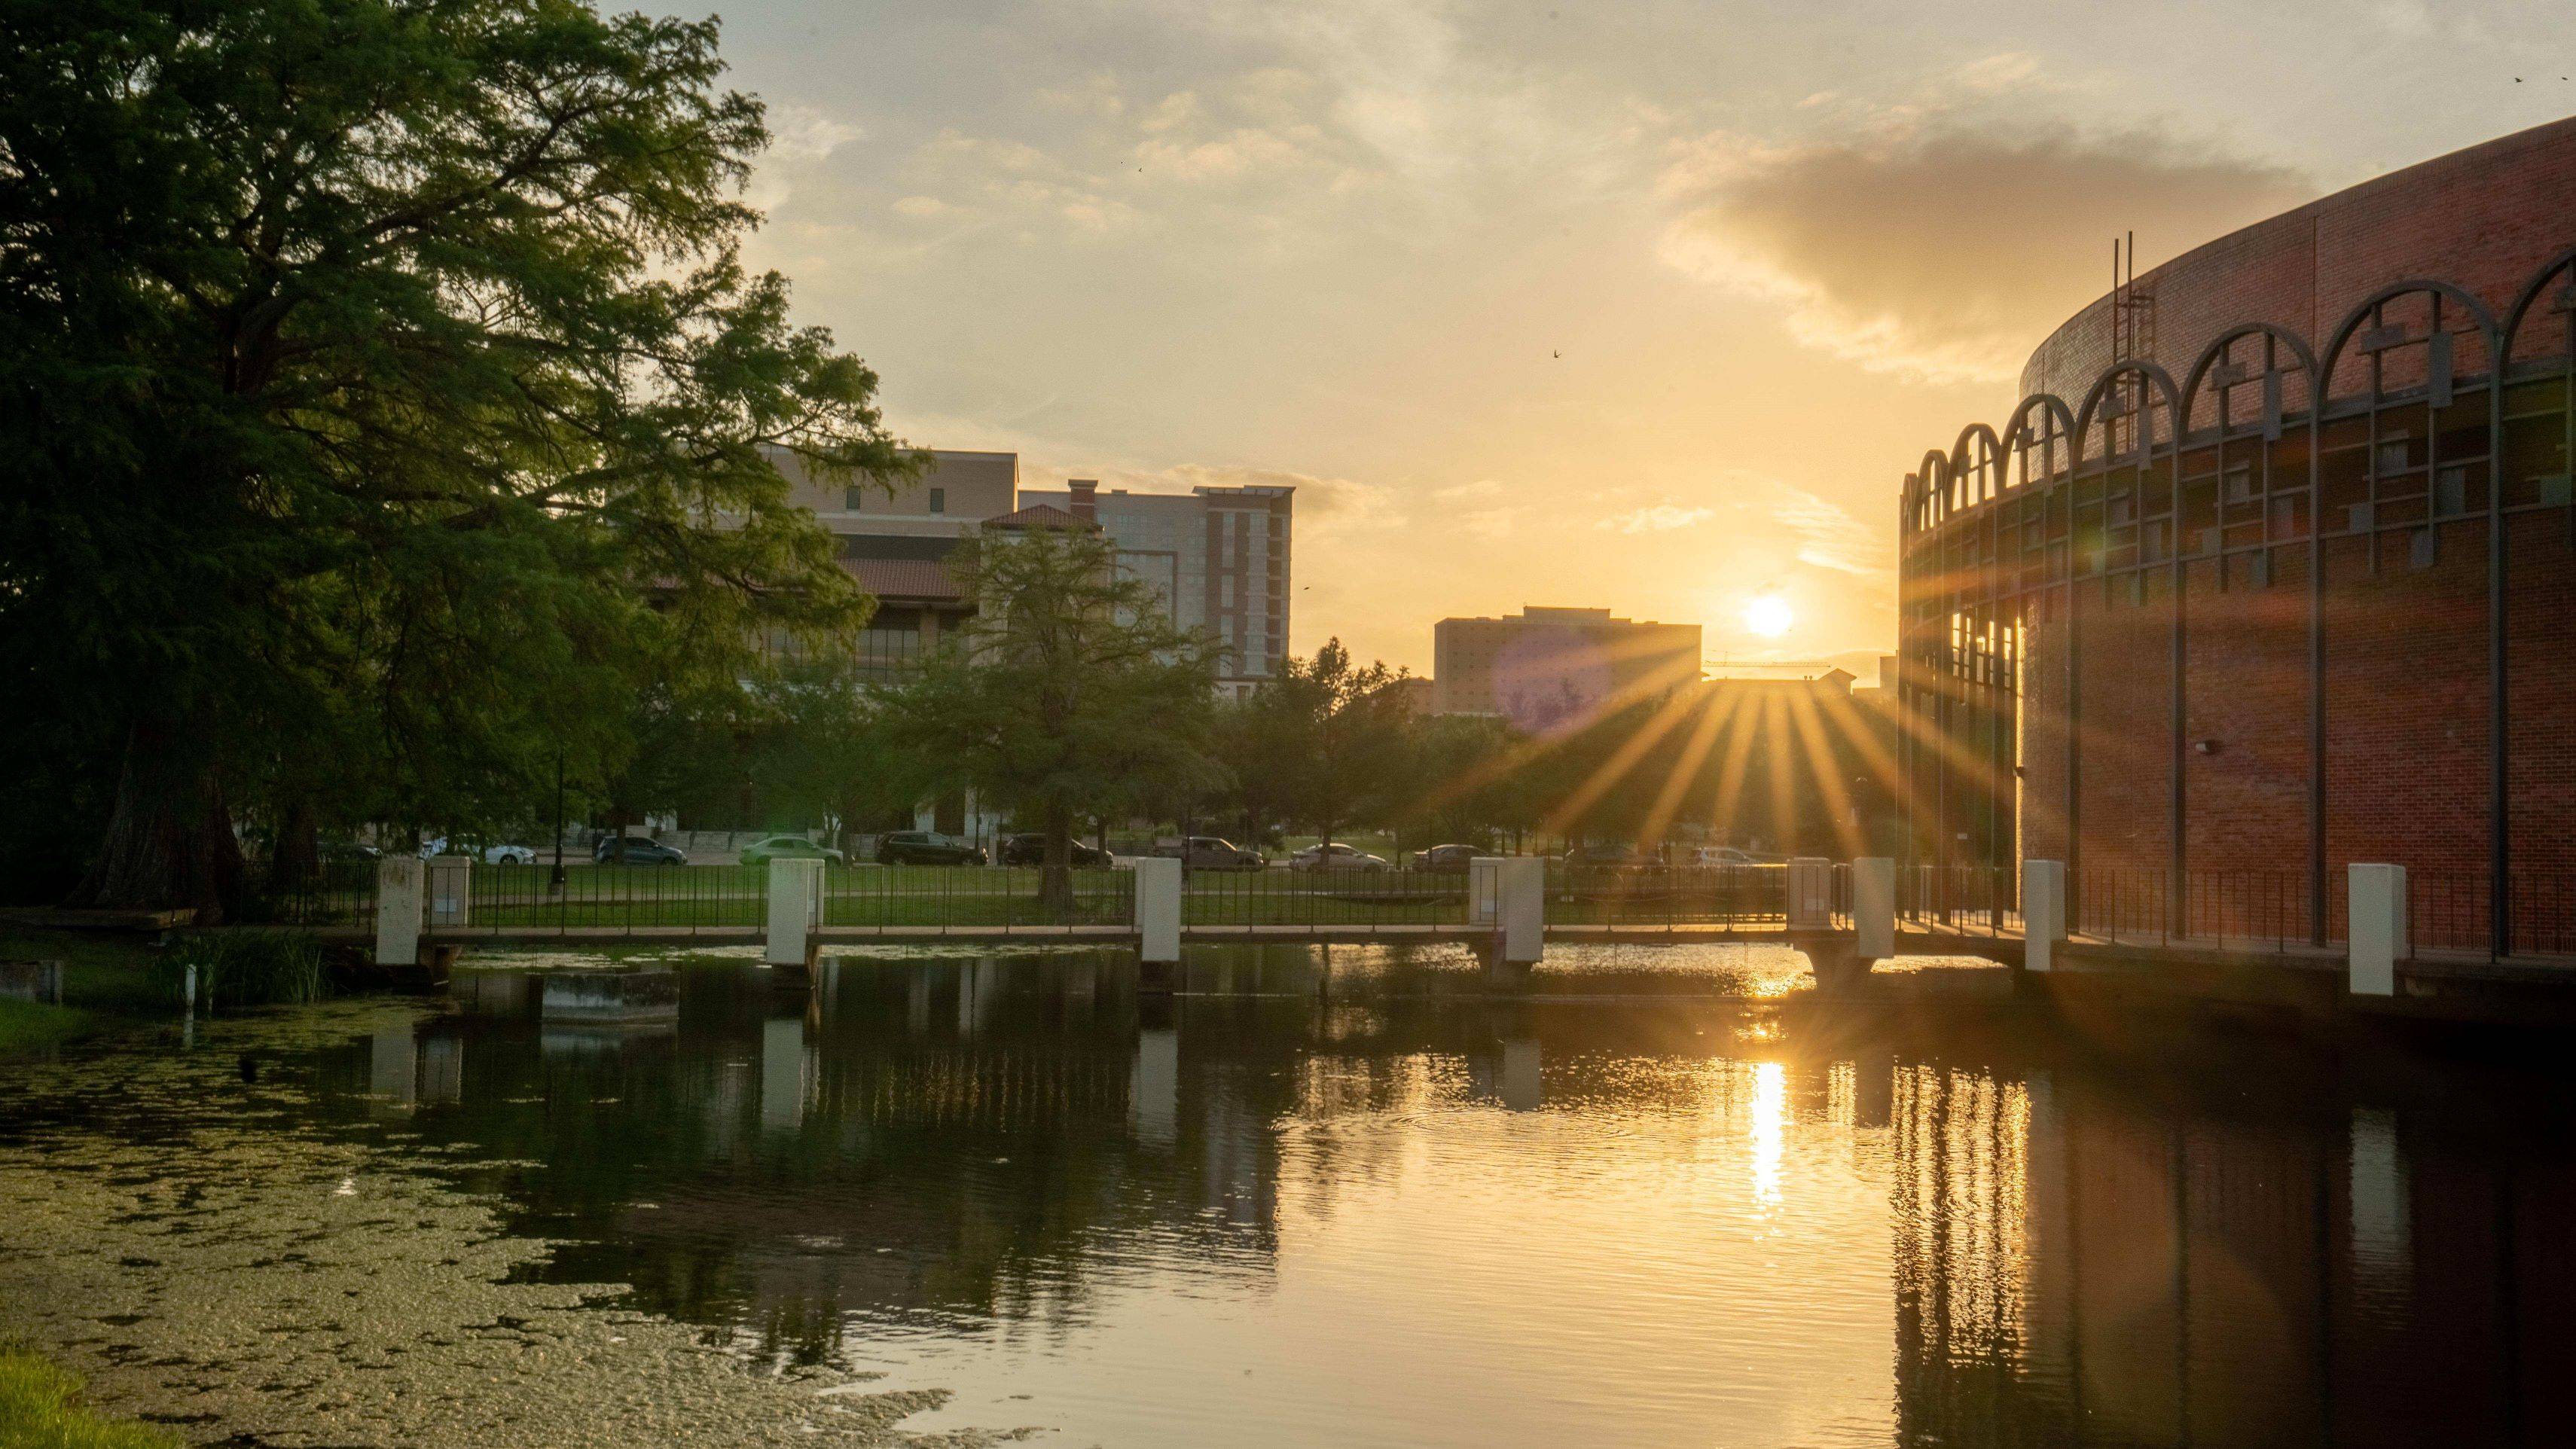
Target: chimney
1082	490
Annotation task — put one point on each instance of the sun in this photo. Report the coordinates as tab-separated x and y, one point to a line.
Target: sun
1768	615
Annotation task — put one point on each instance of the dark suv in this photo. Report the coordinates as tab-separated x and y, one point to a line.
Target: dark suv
635	850
1031	850
924	847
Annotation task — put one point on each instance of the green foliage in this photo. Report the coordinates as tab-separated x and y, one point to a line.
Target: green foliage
40	1409
1069	696
1323	745
26	1025
241	967
390	414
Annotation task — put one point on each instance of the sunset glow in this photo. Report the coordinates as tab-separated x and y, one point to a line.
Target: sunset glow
1768	615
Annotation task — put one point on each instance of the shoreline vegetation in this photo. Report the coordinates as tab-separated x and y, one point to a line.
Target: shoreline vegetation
40	1408
105	977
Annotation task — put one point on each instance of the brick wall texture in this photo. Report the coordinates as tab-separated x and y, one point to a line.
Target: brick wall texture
2408	713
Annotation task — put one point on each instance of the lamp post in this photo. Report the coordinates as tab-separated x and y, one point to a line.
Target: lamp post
555	882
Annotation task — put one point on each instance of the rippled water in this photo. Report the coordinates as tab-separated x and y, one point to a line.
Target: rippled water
1672	1199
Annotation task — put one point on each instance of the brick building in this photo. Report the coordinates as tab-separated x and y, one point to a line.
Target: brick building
1540	666
2270	572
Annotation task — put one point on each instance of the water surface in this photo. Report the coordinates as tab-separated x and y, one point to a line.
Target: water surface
1674	1198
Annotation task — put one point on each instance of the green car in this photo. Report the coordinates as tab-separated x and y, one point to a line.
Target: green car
789	847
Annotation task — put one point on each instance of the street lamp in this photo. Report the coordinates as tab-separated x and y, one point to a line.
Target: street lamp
555	882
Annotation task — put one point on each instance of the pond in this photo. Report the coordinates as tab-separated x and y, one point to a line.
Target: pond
1671	1197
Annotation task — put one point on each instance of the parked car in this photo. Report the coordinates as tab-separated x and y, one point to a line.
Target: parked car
635	850
928	847
1613	856
1210	852
1336	856
509	855
339	850
790	847
1031	850
1723	855
1445	859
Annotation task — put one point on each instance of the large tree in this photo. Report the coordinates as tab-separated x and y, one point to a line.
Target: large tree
1068	696
385	403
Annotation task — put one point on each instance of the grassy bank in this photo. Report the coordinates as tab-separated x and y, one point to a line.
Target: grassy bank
40	1409
26	1025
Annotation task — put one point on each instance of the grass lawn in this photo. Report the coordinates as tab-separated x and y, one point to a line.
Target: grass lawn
25	1025
103	971
40	1409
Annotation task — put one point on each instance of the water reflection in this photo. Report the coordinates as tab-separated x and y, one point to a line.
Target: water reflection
1301	1210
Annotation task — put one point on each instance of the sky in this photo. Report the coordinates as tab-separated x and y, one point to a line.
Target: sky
1647	306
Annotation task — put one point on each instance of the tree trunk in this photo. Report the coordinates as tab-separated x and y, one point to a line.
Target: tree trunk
169	841
1055	865
295	856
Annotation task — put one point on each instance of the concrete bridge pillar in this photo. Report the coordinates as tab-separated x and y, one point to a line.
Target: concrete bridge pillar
400	889
1873	888
2043	912
1158	921
2377	931
795	909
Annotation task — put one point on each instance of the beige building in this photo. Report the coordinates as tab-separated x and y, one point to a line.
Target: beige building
1218	557
1544	665
898	547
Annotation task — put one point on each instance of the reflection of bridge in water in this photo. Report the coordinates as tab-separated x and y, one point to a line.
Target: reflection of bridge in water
2259	1246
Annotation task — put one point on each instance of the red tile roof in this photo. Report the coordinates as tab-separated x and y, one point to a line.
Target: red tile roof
905	578
1039	515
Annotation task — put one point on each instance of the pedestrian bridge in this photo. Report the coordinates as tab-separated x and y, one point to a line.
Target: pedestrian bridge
1844	916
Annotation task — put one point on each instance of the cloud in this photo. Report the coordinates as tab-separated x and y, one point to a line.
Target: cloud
1657	519
1490	522
1940	247
1827	535
804	133
1460	492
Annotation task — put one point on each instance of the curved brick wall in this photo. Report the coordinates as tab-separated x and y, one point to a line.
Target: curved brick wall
2388	518
2485	219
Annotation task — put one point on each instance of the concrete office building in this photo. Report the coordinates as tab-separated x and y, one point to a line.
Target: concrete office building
1219	557
898	547
1541	666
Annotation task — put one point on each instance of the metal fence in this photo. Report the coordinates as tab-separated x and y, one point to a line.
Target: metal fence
1324	898
1656	895
1968	900
334	893
608	899
943	898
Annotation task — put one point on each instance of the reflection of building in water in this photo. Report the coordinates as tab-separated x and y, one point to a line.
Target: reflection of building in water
2070	1269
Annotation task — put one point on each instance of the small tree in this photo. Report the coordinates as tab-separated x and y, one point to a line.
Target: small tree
1067	695
1338	730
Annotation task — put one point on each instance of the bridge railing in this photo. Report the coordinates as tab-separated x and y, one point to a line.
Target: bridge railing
947	897
1746	896
332	893
517	899
1324	898
1967	900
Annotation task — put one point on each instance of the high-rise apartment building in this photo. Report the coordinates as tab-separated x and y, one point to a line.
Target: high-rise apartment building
1219	557
1541	666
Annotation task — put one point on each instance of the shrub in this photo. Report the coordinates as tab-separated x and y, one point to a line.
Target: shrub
247	968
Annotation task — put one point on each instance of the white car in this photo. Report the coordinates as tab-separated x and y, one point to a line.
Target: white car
1723	855
1341	857
509	855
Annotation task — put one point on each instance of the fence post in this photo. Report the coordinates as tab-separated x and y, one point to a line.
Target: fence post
1873	895
2378	928
451	892
795	901
1811	893
398	910
1158	910
2043	912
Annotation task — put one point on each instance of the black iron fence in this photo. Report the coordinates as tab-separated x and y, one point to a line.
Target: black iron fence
1971	900
976	898
334	893
613	899
1281	897
1656	895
